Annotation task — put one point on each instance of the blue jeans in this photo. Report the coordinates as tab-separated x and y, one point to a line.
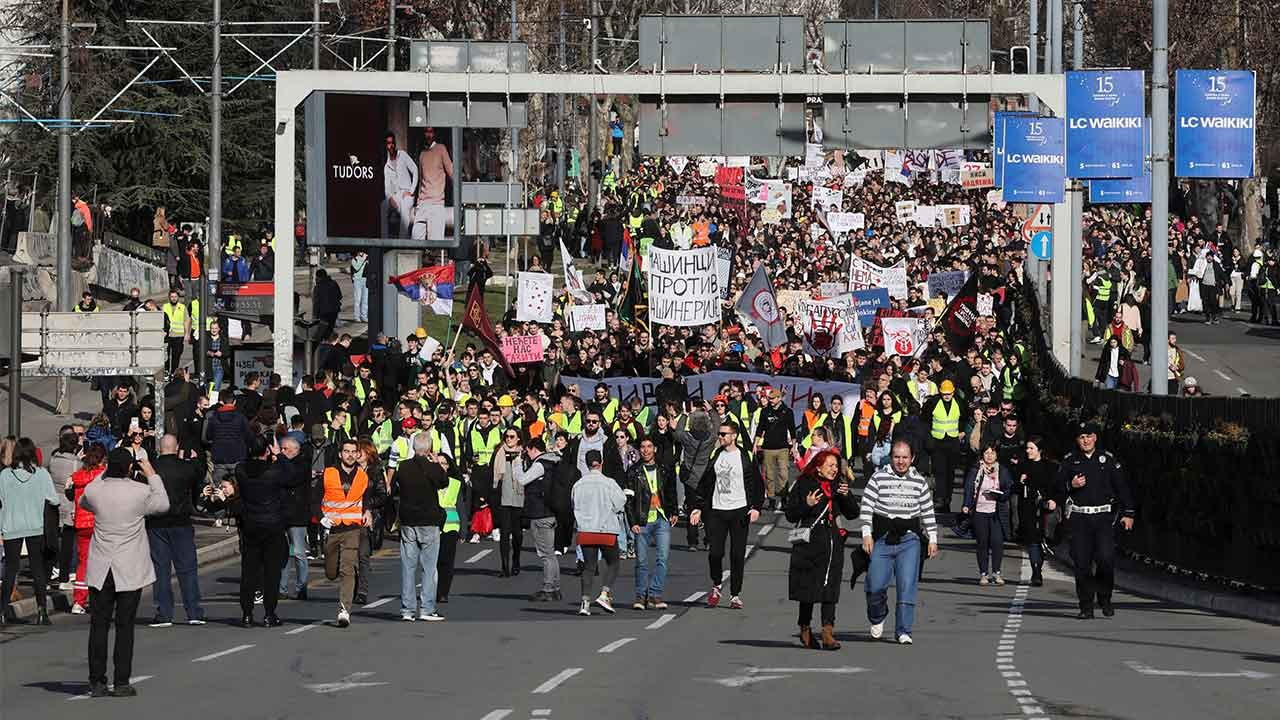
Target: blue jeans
419	550
361	300
297	558
902	561
1035	553
1110	382
218	370
175	547
660	531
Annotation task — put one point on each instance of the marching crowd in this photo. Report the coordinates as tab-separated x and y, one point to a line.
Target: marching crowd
438	447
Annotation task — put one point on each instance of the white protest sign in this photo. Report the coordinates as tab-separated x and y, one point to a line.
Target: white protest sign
907	337
691	200
845	221
855	178
533	297
586	317
832	289
904	211
678	163
706	168
950	176
986	302
830	327
864	275
724	266
736	161
824	198
925	215
954	215
977	175
684	289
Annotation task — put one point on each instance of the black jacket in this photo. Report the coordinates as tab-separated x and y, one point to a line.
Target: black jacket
420	482
326	298
639	496
701	498
227	433
569	471
181	478
816	566
298	502
261	492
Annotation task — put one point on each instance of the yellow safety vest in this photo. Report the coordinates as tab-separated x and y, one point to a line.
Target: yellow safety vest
946	423
381	437
655	501
449	502
481	447
177	315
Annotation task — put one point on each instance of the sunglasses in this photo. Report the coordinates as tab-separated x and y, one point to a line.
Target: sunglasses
511	436
724	434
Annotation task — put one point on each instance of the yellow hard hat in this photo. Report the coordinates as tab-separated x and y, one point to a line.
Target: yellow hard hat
947	386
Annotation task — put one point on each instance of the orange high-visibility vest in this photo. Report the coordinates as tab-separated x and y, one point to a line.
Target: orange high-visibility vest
343	508
865	412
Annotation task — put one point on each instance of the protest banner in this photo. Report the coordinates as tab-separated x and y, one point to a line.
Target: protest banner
950	176
789	300
778	198
586	317
926	215
904	211
684	289
866	302
737	161
729	175
522	348
907	337
864	275
825	198
946	284
830	327
533	297
706	168
733	198
691	200
954	215
974	176
845	221
986	302
796	391
995	199
855	178
832	289
678	163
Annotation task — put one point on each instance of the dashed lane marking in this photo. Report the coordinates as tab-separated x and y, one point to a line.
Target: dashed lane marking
615	645
498	714
304	628
1222	375
222	653
765	530
1193	354
696	596
556	680
132	681
377	603
479	556
666	618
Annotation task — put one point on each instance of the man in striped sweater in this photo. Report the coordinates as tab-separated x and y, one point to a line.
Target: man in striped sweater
897	508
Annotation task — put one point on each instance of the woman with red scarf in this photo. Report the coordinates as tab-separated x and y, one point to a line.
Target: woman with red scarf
817	562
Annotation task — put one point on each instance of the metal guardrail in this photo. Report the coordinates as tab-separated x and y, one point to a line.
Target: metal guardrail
135	249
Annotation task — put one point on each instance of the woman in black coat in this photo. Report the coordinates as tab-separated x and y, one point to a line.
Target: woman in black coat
261	500
987	487
817	565
1037	499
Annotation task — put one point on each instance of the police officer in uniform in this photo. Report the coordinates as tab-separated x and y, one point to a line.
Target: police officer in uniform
1096	490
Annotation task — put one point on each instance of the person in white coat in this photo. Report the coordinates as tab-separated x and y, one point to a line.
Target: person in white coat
119	563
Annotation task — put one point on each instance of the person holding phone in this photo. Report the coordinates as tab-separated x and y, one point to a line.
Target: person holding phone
817	564
987	488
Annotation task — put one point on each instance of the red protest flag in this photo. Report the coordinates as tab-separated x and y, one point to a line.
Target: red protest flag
476	319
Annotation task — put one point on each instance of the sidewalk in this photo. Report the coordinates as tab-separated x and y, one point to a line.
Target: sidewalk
212	545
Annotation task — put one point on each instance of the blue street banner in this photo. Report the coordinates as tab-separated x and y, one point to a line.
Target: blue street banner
1105	109
1034	167
867	302
1126	190
1214	133
997	142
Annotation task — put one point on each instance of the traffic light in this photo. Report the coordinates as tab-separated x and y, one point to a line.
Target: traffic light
1019	59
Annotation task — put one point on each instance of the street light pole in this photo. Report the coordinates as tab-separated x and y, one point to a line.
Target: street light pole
1076	314
65	296
1158	342
212	243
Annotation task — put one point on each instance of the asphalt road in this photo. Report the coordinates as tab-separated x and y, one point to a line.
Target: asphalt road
990	652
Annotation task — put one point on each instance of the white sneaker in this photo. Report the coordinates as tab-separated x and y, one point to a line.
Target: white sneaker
257	598
66	586
430	617
982	580
77	609
344	618
904	639
475	538
496	535
605	602
559	553
999	580
406	616
877	630
585	608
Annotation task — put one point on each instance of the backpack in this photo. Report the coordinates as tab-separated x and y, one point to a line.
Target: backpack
558	484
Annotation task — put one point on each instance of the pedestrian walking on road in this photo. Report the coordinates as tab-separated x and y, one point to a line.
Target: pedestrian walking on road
349	496
26	490
536	473
987	489
598	501
897	510
261	500
1038	502
510	503
420	479
730	496
119	563
651	508
1096	490
817	550
92	465
172	536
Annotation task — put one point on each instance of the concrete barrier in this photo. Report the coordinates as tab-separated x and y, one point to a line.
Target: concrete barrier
119	272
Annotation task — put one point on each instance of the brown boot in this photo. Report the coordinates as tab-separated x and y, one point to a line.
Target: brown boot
806	638
829	638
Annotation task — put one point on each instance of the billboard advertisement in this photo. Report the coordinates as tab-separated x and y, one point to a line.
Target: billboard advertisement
997	141
1214	132
1105	109
1126	190
1034	167
380	181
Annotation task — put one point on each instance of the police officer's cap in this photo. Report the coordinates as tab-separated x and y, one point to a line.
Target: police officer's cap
1086	428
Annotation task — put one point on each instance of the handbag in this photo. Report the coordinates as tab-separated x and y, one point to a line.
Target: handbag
597	539
800	535
482	521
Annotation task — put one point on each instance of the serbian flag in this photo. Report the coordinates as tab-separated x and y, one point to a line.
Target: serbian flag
432	286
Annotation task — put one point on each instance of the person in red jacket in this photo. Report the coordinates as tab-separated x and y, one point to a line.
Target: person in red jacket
92	467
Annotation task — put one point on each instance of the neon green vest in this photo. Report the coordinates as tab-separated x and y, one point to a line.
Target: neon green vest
481	447
946	423
654	512
1104	289
449	501
381	437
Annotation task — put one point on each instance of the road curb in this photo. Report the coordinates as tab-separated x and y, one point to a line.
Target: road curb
1225	602
207	555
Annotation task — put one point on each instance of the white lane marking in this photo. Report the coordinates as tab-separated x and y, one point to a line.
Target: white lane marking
755	675
304	628
695	597
223	653
750	548
556	680
1242	391
1148	670
544	712
1222	375
377	603
1004	647
724	575
765	530
479	556
349	682
498	714
666	618
1193	354
132	681
614	645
